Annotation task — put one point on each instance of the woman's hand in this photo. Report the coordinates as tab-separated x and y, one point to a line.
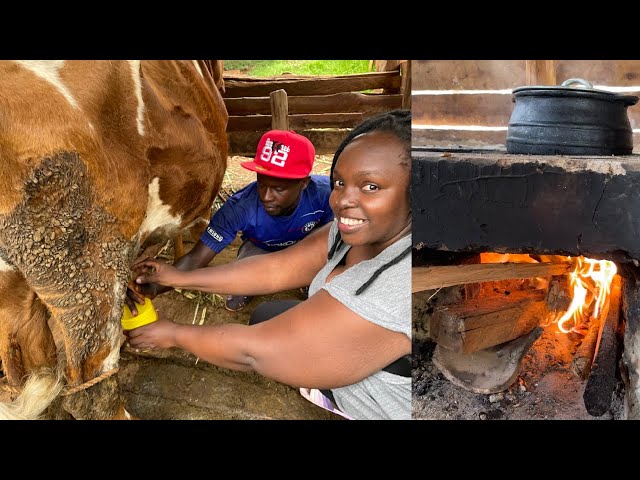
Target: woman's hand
152	271
159	334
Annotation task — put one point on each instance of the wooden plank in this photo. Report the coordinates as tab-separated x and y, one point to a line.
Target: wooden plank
427	278
489	109
500	74
467	74
296	122
540	72
600	72
483	323
348	102
236	86
325	141
458	138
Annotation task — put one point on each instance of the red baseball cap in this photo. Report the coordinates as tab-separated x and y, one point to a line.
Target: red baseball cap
283	154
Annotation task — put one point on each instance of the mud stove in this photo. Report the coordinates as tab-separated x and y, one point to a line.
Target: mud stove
530	244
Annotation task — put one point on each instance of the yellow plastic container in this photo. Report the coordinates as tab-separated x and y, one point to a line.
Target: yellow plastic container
146	314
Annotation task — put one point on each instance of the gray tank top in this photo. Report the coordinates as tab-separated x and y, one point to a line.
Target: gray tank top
386	302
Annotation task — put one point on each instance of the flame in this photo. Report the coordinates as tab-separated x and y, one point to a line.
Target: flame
593	276
590	281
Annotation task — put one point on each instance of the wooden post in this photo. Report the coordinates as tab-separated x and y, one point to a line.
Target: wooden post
540	72
279	110
405	88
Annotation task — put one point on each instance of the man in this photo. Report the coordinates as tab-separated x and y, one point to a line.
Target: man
279	209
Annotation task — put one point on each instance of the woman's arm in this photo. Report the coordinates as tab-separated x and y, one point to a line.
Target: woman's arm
293	267
319	343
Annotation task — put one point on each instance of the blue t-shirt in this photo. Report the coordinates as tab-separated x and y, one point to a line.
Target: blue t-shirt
243	211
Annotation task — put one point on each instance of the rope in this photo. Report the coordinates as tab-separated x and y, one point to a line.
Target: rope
68	390
90	383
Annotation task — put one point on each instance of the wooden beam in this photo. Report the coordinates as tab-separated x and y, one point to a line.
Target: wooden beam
484	109
325	141
338	102
428	278
540	72
458	138
621	73
236	86
296	122
467	74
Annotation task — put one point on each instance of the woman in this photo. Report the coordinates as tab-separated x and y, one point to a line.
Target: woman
357	319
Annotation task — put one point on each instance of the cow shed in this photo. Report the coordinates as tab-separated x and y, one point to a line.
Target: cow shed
549	211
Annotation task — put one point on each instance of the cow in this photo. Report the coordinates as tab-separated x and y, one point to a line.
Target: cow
98	159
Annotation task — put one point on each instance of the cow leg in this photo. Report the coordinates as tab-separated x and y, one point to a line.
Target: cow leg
194	230
26	342
73	257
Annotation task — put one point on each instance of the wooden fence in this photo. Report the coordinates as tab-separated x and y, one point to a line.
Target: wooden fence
322	108
468	103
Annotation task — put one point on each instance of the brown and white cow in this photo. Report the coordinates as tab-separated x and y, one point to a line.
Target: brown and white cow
97	158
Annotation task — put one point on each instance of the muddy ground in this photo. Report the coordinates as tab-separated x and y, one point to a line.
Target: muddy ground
546	387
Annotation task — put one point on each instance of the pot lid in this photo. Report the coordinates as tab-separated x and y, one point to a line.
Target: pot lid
585	89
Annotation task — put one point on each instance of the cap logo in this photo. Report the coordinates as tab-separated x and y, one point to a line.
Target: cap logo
275	153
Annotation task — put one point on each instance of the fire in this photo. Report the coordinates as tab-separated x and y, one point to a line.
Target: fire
590	281
590	276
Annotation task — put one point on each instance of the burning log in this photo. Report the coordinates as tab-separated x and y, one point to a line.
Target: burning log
484	322
427	278
599	389
583	358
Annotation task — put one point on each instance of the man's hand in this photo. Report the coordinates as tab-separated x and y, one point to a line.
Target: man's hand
159	334
150	271
136	294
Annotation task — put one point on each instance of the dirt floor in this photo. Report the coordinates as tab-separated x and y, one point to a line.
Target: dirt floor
545	388
172	384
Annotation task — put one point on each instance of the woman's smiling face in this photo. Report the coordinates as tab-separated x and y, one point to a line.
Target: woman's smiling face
370	197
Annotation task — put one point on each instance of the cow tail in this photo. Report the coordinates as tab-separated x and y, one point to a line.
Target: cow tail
40	389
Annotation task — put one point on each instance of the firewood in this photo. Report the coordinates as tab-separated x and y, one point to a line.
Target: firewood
601	382
427	278
487	321
583	358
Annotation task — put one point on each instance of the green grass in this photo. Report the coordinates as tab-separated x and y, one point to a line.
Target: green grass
273	68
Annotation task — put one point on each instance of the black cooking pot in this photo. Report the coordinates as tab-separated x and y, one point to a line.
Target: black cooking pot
568	120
